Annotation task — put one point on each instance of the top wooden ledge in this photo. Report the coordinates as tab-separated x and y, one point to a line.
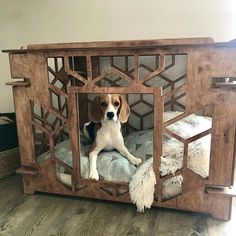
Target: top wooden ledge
127	44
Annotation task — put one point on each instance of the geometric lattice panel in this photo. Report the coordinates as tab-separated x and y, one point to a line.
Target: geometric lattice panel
114	72
141	111
168	72
49	127
193	132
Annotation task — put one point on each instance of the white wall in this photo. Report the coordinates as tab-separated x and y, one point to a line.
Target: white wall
24	22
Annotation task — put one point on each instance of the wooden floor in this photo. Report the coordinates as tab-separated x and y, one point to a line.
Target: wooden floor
44	214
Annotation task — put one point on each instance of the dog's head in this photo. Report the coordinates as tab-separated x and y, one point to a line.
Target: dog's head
110	107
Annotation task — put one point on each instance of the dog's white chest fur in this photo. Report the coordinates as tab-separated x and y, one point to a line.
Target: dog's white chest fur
109	135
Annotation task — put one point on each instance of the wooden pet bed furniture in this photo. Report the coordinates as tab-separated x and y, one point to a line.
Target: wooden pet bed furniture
52	102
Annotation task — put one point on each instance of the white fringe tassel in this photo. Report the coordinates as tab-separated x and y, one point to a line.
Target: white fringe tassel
141	187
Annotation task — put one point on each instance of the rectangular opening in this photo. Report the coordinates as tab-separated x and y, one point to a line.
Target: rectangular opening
137	133
223	82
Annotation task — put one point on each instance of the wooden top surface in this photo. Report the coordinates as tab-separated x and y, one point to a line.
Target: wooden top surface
126	44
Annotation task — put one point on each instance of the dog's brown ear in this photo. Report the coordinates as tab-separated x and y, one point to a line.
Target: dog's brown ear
124	110
95	110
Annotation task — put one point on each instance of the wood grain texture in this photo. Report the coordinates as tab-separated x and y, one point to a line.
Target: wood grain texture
25	132
44	214
122	44
205	60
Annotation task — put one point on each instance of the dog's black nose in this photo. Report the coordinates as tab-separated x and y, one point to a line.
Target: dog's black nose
110	115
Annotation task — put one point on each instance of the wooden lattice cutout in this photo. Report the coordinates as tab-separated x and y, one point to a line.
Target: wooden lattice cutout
199	137
112	72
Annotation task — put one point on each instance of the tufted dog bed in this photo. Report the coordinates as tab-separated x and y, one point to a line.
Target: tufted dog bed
112	166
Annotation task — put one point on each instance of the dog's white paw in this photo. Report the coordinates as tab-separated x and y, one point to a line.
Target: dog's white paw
94	175
136	161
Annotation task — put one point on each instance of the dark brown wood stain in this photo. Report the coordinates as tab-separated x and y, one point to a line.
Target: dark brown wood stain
31	65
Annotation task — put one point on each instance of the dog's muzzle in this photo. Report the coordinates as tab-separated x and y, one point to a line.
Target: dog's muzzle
110	115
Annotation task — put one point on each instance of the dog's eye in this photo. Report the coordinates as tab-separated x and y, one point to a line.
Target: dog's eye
116	104
103	104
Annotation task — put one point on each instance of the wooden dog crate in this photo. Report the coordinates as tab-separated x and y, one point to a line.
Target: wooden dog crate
52	101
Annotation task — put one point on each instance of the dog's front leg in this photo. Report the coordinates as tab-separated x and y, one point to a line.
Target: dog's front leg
125	152
93	173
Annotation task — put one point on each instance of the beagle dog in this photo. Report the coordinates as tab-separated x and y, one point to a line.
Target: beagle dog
108	112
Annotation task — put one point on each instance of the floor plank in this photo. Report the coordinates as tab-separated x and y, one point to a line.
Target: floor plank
45	214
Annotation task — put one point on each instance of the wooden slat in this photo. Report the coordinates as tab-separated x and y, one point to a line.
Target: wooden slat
198	136
27	171
122	90
157	139
221	190
180	78
136	66
175	90
185	169
89	68
179	104
141	65
172	98
222	141
39	91
104	183
224	85
179	97
61	76
120	73
73	73
57	114
24	127
57	90
58	130
40	127
43	120
63	164
18	83
157	71
175	119
169	176
100	77
74	137
174	135
122	44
